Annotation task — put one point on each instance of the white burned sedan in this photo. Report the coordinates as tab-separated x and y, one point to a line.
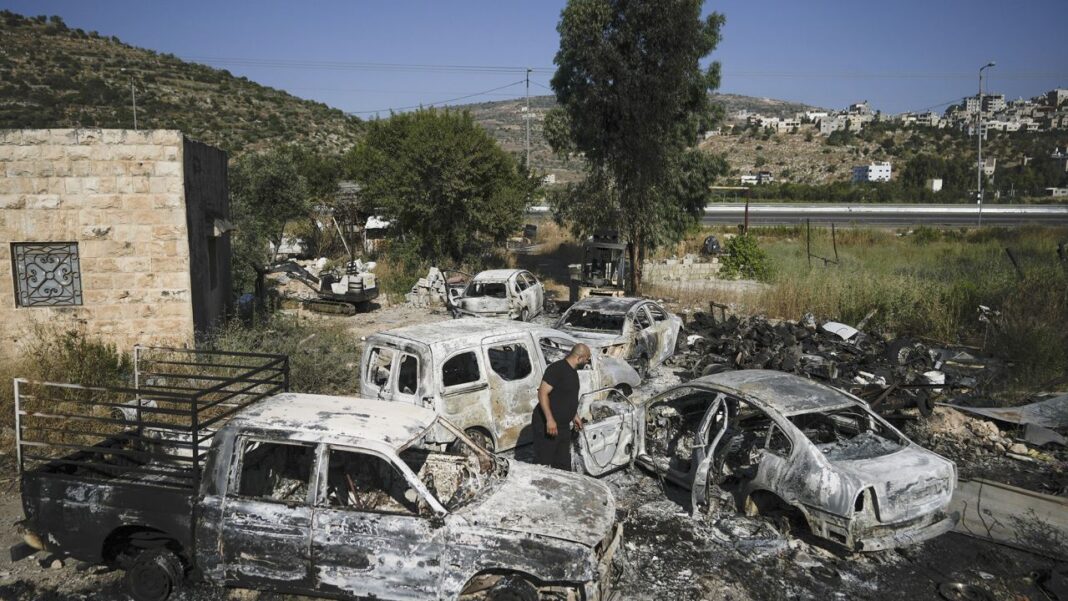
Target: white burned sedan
636	330
503	293
780	442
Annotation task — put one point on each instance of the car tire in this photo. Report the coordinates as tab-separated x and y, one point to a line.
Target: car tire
643	367
480	438
154	575
512	588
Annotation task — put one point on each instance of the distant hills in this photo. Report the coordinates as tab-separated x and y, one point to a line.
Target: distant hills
55	76
52	75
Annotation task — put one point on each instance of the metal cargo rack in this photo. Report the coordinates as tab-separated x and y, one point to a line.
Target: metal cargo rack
156	433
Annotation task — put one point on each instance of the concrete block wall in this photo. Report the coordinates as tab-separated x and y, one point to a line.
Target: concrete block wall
120	195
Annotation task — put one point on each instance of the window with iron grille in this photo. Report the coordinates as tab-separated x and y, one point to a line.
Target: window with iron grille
47	274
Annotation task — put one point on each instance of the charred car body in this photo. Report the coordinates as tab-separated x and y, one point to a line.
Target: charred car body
634	329
503	293
777	441
314	495
481	374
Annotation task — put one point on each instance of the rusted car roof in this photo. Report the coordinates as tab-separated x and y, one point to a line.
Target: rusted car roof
468	327
786	393
316	417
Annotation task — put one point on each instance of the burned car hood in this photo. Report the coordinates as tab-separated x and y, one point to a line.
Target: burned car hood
907	483
546	502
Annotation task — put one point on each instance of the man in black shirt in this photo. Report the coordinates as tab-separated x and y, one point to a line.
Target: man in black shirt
557	409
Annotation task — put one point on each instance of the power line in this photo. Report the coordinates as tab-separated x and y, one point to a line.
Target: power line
427	104
360	66
450	68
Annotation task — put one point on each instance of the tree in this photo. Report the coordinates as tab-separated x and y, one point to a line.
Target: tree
449	190
634	101
266	192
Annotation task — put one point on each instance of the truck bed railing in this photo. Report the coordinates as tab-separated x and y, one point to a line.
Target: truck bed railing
157	431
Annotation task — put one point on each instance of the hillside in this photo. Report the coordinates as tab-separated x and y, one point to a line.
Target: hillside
54	76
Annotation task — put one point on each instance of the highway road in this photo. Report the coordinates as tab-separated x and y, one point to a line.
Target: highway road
879	215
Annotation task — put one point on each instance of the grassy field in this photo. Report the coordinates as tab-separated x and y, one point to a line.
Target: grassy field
926	282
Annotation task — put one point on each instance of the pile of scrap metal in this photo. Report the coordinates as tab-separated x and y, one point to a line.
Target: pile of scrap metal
889	374
344	289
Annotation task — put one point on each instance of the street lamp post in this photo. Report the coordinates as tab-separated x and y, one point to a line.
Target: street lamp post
979	134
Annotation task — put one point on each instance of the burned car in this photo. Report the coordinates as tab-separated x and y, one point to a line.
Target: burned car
482	374
777	442
311	495
504	293
637	330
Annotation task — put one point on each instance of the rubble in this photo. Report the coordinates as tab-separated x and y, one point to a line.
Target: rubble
890	374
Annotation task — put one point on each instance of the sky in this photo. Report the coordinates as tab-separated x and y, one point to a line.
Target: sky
367	57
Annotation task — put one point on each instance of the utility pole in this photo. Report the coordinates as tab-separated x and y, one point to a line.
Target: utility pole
979	163
527	117
133	99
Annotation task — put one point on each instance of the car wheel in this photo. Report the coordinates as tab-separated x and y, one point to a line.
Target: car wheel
480	438
154	575
512	588
643	367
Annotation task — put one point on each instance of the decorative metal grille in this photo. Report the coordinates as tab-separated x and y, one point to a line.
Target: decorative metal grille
47	274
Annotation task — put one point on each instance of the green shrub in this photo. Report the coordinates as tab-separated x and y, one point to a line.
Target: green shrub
744	258
63	355
324	357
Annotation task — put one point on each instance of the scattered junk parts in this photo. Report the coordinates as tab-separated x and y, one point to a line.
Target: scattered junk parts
343	290
603	271
637	330
890	374
481	374
781	445
240	483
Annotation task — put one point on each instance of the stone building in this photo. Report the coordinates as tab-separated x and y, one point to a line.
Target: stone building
119	233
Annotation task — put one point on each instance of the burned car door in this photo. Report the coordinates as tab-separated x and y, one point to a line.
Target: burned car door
465	391
665	332
645	338
682	430
372	536
535	293
607	439
267	517
751	451
393	374
513	385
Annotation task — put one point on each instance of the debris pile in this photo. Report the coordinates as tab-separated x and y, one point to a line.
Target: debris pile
889	374
428	291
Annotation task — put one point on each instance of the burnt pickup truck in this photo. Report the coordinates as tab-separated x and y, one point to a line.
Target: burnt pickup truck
240	483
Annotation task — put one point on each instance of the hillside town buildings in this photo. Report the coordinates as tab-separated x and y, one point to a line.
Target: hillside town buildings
1046	112
874	172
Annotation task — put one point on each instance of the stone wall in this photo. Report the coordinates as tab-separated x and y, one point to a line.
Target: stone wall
118	194
679	270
